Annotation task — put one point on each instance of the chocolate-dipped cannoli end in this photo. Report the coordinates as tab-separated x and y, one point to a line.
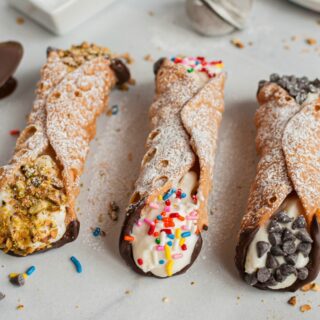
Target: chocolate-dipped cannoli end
284	253
126	239
33	209
121	70
157	65
160	237
11	53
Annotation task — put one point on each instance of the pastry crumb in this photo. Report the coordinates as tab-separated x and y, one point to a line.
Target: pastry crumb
292	301
315	287
128	58
113	211
307	287
132	82
20	20
305	307
165	299
294	38
237	43
128	292
20	307
151	13
148	57
311	41
192	283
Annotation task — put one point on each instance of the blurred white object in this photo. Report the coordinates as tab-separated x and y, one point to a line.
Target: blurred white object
310	4
218	17
59	16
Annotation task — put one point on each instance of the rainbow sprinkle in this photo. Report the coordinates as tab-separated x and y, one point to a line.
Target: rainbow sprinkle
200	64
170	229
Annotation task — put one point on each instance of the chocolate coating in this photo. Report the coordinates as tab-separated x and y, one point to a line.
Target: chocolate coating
121	70
157	65
70	235
314	257
11	53
125	247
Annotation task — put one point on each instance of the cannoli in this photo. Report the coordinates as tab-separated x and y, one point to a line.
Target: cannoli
168	209
279	241
39	186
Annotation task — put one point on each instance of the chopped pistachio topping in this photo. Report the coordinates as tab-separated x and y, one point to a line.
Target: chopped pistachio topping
33	208
77	55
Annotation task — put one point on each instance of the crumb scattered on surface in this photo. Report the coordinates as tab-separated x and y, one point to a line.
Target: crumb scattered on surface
127	292
192	283
307	287
305	307
132	82
294	38
2	296
113	211
165	299
250	43
128	58
124	87
315	287
237	43
20	307
311	41
151	13
292	301
148	57
286	47
20	20
130	156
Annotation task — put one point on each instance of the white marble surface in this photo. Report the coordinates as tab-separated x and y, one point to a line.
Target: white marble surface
56	291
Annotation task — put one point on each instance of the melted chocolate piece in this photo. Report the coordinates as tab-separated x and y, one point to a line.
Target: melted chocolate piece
313	266
121	70
11	53
70	235
157	65
125	247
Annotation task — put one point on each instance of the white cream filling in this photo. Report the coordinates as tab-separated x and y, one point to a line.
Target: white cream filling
57	217
144	246
294	209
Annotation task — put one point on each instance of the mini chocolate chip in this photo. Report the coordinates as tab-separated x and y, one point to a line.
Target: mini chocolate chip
279	276
271	261
274	238
18	280
303	273
277	251
250	279
304	236
287	269
288	235
291	259
304	248
274	226
282	217
289	247
299	223
263	275
271	282
262	248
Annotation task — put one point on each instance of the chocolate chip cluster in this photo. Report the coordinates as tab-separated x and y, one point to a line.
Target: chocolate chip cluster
282	250
298	88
